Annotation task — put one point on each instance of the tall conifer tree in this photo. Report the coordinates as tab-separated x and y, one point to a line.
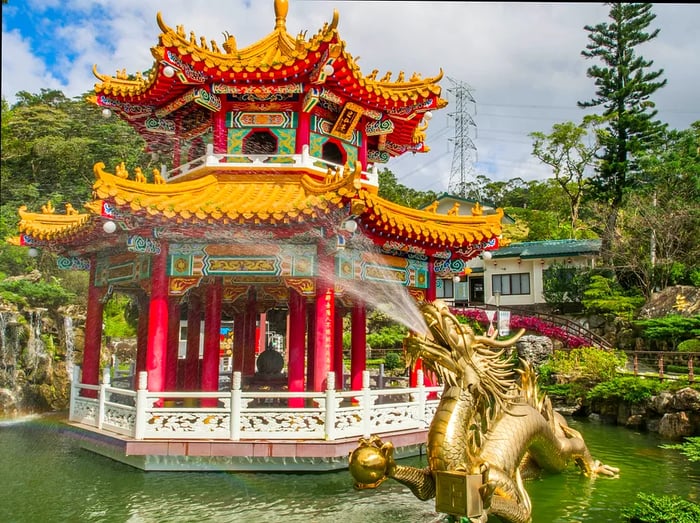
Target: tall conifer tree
624	85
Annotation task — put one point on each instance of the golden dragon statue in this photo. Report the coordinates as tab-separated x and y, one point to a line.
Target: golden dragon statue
492	428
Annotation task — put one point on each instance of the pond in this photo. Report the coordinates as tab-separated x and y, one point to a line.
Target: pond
48	478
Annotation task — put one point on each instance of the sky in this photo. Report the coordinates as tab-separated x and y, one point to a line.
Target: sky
520	62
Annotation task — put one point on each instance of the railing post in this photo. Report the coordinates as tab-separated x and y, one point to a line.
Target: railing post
661	366
141	406
366	405
74	391
106	382
236	406
380	378
636	365
422	396
691	376
305	159
330	407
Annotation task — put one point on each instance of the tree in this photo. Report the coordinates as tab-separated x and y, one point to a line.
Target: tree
624	85
390	189
660	222
565	150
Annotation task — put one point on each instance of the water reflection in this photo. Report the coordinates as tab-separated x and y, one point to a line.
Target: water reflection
48	478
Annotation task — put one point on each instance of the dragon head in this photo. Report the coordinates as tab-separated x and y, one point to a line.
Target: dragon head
457	355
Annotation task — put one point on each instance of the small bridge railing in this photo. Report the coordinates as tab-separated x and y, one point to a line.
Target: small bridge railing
662	364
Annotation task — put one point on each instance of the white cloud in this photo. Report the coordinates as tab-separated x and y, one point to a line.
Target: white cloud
523	60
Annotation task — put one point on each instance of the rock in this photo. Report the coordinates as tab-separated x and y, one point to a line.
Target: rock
662	402
535	349
636	421
675	426
686	400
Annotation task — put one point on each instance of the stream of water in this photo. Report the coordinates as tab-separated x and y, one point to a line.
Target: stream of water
47	478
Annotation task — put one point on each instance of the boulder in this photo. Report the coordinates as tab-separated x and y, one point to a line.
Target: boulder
535	349
686	399
675	426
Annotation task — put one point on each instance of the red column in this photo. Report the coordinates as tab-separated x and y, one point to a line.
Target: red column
212	334
261	334
297	337
324	312
303	131
311	345
158	323
93	335
362	153
173	343
358	352
141	334
220	145
337	365
239	332
251	320
194	319
431	291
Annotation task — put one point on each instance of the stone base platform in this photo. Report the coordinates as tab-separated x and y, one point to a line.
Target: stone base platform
236	456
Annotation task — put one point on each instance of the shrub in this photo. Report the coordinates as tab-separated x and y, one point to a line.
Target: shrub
392	361
584	363
626	388
651	508
692	345
36	294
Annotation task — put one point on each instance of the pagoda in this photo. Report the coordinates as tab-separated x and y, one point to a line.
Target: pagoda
268	198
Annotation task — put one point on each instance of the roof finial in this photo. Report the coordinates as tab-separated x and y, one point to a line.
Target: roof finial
281	9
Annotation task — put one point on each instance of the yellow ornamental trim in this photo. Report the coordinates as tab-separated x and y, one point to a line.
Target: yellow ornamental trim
52	226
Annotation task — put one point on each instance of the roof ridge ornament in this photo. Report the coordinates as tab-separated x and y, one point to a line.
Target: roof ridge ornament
281	10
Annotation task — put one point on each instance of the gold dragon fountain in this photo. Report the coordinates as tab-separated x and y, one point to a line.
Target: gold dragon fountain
492	429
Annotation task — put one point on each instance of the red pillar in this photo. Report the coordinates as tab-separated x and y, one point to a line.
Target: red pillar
158	323
310	345
362	153
358	352
220	145
303	131
238	341
337	365
261	334
324	312
173	343
93	335
297	337
212	334
142	334
194	319
251	320
430	295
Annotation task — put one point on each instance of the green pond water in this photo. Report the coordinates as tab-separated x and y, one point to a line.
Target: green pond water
45	477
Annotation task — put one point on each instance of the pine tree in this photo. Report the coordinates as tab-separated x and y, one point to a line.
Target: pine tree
624	85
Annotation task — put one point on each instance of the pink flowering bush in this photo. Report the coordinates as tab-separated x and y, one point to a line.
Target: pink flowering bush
530	324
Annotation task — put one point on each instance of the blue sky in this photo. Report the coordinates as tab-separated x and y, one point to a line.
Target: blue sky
522	61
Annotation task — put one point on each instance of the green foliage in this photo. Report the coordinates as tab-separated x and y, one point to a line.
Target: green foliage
583	364
672	327
623	88
116	316
652	508
392	190
690	448
387	337
392	361
626	388
605	296
35	294
691	345
564	284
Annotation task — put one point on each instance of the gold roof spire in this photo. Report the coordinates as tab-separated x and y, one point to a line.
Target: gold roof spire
281	10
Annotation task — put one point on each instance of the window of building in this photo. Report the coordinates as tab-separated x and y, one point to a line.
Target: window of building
444	288
260	142
332	152
510	284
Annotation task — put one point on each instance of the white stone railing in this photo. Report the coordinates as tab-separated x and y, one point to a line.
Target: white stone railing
236	161
245	415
